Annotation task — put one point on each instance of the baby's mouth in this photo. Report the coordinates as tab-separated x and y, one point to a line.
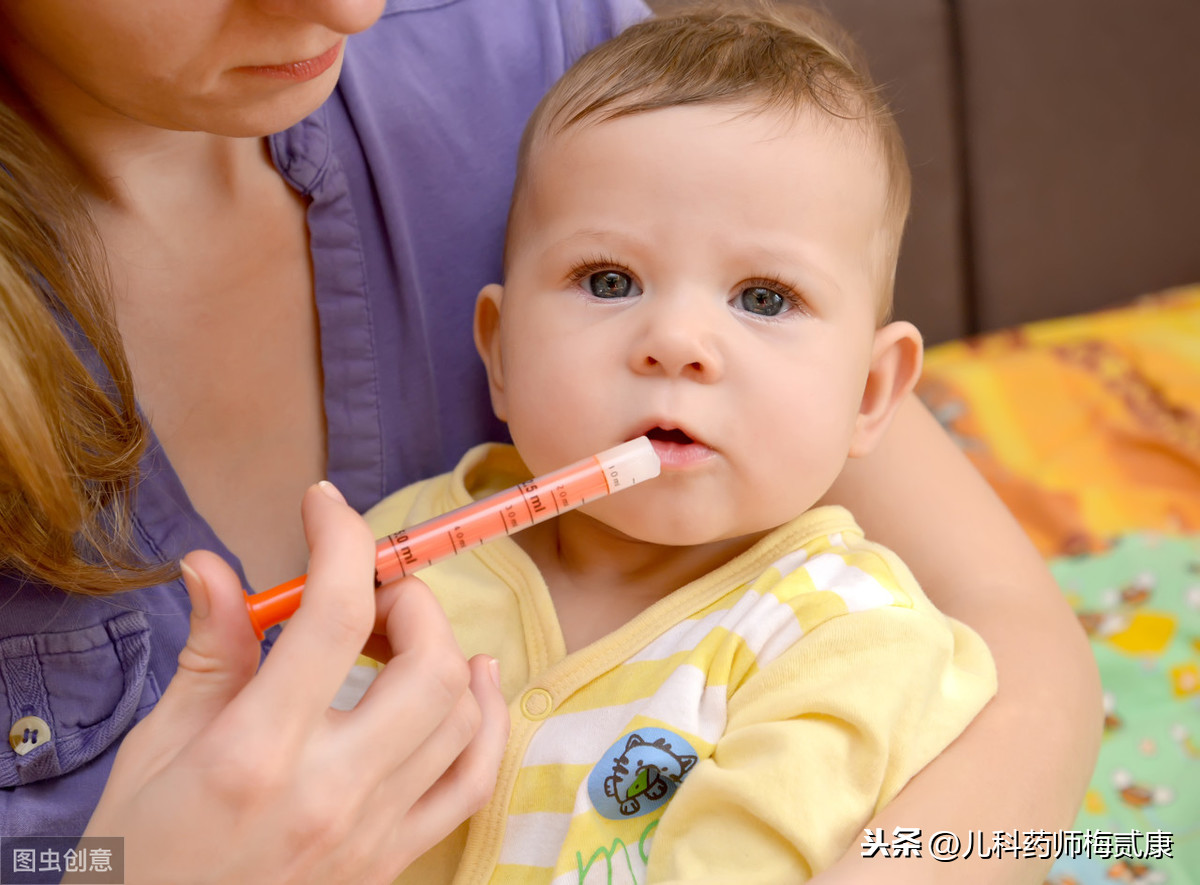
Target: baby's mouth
675	436
676	448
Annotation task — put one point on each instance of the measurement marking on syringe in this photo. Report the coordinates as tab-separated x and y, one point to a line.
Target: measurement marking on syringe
526	494
399	547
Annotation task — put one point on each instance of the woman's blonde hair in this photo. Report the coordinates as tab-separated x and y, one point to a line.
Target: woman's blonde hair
70	439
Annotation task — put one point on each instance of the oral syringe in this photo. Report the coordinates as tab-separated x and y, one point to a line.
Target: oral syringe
503	513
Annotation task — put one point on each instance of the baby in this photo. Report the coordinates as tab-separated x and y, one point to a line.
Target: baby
711	677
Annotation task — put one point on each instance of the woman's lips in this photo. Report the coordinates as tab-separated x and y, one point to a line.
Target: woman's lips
299	71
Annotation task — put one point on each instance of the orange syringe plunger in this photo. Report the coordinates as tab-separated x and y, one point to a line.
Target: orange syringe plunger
503	513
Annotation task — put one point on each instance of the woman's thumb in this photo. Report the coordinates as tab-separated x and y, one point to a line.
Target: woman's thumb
221	654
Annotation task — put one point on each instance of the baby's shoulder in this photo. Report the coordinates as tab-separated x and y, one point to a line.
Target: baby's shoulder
831	569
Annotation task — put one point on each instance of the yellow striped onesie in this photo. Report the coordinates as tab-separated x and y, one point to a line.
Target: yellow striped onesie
743	729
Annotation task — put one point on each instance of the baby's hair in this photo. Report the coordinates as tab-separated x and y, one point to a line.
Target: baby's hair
753	56
69	444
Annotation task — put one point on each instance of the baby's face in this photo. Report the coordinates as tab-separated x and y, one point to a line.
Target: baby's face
707	279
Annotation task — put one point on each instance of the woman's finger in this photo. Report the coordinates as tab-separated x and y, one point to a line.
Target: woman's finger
467	785
419	689
446	792
219	659
317	648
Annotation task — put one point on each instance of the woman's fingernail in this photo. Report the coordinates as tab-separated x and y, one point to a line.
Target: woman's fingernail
197	590
494	669
331	490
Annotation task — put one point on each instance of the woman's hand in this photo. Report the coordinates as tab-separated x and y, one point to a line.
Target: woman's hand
245	776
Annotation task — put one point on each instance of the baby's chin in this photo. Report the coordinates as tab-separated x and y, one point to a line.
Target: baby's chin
677	528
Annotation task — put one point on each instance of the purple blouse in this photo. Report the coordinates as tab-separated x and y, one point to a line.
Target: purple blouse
409	167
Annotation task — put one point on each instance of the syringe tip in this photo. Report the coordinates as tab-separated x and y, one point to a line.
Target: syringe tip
630	462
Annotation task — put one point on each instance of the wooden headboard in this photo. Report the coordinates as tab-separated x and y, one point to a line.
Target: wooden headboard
1055	147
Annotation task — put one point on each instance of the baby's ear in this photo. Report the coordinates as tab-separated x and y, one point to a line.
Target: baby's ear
487	342
895	368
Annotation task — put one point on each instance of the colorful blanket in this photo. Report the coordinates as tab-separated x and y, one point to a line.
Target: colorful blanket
1089	429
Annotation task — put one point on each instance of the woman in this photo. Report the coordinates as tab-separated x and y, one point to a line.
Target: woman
298	306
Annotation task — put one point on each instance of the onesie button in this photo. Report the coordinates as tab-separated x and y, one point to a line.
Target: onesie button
27	734
537	703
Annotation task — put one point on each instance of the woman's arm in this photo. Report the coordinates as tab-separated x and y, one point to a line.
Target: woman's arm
1024	763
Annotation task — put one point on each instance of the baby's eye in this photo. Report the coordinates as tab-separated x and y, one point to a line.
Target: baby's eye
762	301
611	284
